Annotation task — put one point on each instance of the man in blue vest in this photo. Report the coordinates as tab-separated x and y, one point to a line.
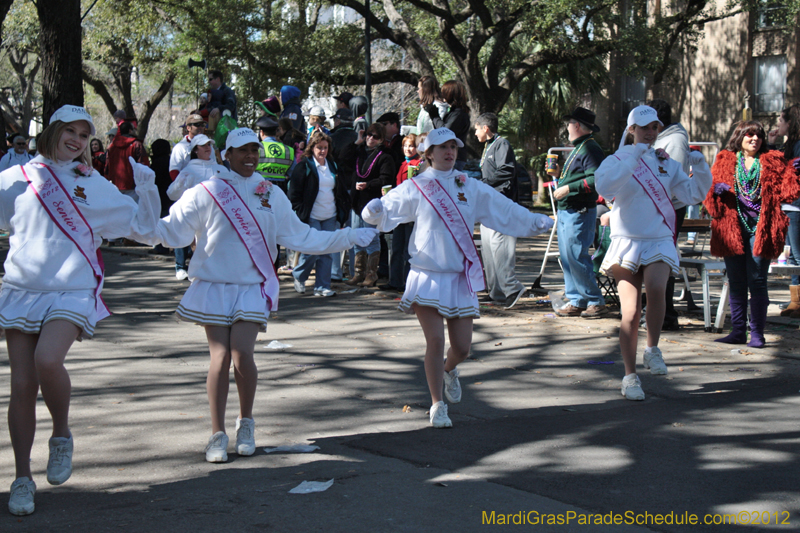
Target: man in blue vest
275	159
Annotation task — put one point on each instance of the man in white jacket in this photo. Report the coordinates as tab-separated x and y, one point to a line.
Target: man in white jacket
18	155
674	140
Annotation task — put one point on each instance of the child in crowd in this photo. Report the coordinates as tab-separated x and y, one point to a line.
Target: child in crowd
57	207
643	237
445	266
238	218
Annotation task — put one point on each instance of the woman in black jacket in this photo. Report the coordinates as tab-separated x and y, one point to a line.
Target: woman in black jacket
320	199
457	119
374	169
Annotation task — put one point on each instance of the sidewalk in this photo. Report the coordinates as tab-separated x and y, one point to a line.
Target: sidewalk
539	429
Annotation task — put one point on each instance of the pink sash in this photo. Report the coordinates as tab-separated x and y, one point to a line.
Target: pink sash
454	221
248	230
655	190
67	217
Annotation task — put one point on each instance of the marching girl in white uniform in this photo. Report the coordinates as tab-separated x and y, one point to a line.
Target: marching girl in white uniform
201	166
238	219
446	270
643	225
56	208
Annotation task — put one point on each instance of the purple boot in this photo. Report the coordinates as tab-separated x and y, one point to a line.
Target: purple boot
758	319
738	334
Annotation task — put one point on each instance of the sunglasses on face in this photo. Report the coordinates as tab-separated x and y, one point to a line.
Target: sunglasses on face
374	136
197	124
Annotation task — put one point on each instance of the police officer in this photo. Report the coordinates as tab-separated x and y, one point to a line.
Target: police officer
275	158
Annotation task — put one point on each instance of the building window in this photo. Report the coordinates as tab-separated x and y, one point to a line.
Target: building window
770	14
635	93
770	83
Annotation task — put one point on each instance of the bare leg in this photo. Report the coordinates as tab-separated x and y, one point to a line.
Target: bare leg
242	342
22	402
629	286
218	380
433	328
656	276
55	340
459	331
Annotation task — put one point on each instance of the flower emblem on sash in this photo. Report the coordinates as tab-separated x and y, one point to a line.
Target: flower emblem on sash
82	171
263	190
461	180
662	154
79	192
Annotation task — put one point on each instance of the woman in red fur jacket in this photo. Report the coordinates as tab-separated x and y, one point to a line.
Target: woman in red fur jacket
748	227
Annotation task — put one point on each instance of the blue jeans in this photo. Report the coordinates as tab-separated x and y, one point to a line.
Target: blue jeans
575	235
322	262
693	211
747	271
181	255
398	260
793	240
357	222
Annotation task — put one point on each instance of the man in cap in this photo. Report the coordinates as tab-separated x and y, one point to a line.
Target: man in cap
499	251
577	214
316	121
343	100
195	125
275	159
18	154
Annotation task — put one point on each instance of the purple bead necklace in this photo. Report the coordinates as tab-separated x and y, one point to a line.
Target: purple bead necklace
358	166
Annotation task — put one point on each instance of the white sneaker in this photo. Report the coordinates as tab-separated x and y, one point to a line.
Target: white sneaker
327	293
59	465
299	286
439	418
181	274
632	387
217	448
245	436
20	503
452	387
654	361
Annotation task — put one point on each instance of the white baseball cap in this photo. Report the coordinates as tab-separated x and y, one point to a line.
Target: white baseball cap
642	116
240	137
317	111
73	113
199	140
439	136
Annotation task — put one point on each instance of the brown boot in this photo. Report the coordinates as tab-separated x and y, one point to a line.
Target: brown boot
360	266
793	311
372	269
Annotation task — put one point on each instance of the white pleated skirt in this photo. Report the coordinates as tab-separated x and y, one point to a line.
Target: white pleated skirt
633	254
221	304
447	292
28	311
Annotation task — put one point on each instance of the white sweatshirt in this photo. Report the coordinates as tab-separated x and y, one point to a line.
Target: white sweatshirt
221	257
179	157
197	171
41	257
432	247
635	215
13	158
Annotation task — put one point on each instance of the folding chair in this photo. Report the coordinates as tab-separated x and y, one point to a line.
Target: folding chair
605	282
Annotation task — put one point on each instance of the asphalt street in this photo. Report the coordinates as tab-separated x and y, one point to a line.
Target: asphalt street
542	433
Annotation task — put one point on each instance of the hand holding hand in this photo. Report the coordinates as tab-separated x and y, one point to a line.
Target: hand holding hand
363	236
374	207
142	174
721	188
696	158
361	185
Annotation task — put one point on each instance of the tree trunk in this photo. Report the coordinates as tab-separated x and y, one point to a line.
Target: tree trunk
60	41
151	105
